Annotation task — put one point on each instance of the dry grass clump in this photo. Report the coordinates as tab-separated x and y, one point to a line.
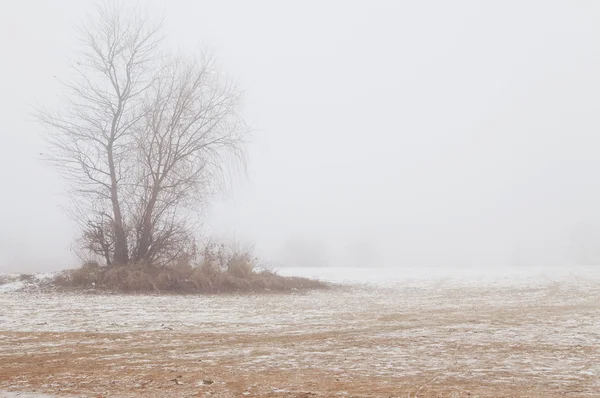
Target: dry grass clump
218	271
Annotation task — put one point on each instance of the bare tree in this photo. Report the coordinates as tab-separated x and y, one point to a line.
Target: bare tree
191	131
142	137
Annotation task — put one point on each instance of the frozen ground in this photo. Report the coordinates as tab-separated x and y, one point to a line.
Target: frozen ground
530	332
10	283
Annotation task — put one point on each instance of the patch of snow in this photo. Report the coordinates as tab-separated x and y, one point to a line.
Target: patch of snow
45	276
11	287
11	283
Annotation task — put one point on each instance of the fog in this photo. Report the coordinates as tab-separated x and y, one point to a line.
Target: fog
385	133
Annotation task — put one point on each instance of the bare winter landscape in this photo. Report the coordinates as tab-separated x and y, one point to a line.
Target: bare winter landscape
527	332
320	198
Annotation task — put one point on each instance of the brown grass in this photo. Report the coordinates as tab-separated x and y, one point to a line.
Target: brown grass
239	277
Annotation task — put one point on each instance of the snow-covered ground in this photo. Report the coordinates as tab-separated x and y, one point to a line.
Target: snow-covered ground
10	283
525	275
488	331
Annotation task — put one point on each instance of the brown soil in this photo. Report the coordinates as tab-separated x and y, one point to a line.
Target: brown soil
161	364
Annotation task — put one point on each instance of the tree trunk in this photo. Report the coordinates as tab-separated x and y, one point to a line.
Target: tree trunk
146	235
121	256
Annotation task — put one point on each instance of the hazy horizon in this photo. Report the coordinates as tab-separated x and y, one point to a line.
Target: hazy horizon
385	133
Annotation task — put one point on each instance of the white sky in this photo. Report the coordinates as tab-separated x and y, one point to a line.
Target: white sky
385	132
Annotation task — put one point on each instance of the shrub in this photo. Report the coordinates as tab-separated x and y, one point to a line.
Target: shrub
218	271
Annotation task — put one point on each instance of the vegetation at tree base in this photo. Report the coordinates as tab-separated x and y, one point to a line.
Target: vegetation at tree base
235	272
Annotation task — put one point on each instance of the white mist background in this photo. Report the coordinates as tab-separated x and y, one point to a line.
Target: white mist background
385	133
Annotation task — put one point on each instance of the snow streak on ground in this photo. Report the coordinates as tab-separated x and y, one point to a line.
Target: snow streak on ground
10	283
529	332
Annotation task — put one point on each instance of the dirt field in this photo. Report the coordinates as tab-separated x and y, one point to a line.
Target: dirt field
526	336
